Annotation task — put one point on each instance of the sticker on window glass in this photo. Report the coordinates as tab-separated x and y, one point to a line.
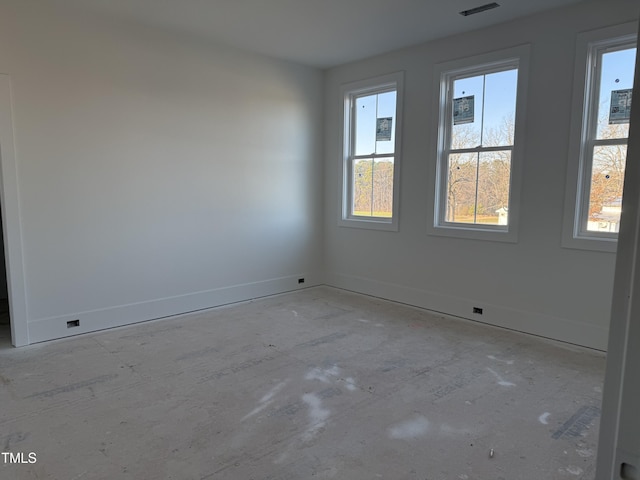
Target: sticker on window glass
620	110
463	110
383	129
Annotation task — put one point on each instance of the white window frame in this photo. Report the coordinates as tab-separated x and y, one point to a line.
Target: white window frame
589	47
349	92
445	74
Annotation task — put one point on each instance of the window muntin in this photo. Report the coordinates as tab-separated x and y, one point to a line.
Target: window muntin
370	177
603	153
478	131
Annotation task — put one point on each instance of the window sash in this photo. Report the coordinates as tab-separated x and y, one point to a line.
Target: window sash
585	188
374	194
446	129
353	100
352	158
477	195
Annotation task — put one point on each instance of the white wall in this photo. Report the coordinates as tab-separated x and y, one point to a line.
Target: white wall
534	285
156	174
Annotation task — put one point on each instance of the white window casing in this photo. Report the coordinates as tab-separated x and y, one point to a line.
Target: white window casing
501	225
389	157
579	229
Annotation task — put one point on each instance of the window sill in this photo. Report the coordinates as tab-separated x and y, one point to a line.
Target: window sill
595	244
474	233
370	224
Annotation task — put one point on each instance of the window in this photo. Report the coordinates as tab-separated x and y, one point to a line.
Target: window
372	129
604	80
480	107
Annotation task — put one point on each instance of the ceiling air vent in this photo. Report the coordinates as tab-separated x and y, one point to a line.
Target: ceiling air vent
482	8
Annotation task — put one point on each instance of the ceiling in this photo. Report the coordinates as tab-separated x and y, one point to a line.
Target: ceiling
319	33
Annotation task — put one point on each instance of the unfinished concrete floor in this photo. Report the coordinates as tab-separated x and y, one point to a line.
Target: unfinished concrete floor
319	383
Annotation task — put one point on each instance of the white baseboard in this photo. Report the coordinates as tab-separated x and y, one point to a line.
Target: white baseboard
50	328
565	330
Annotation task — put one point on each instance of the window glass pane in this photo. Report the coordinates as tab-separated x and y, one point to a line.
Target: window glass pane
386	111
461	187
362	187
616	75
375	122
373	187
483	110
499	108
383	187
494	177
478	186
605	193
365	125
467	110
